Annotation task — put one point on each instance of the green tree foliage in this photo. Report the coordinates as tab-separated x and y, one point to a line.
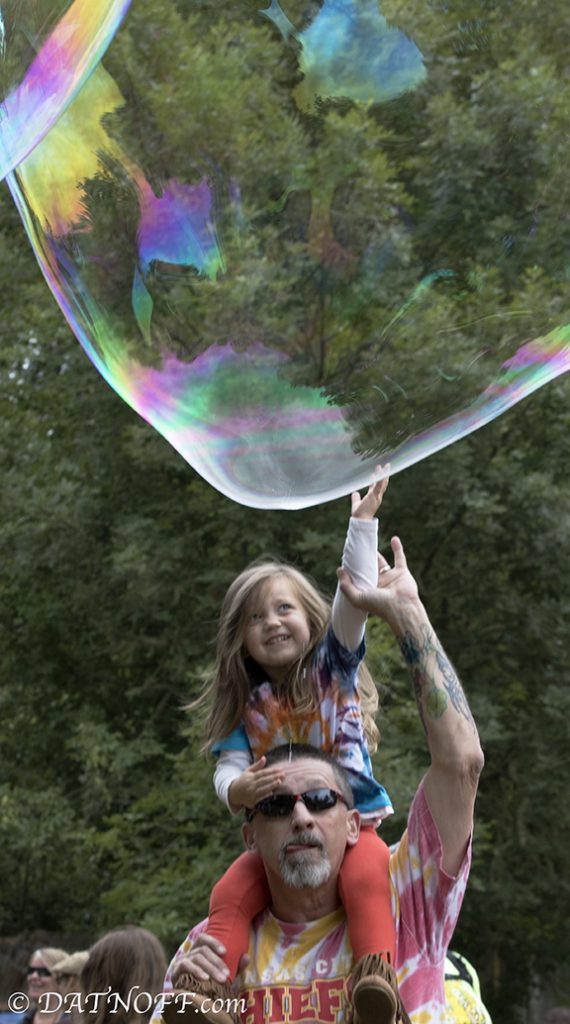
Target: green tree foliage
115	556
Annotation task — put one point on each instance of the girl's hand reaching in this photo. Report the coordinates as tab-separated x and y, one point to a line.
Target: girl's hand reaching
367	507
254	784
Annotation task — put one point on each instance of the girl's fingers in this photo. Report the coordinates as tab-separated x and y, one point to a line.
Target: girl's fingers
380	486
266	788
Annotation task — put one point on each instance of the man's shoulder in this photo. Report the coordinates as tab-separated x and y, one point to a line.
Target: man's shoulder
425	899
419	853
184	949
193	934
421	831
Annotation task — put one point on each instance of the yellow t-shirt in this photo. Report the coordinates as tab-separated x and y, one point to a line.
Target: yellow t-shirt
462	993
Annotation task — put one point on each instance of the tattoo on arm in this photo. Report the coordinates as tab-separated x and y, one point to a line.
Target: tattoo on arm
453	686
427	660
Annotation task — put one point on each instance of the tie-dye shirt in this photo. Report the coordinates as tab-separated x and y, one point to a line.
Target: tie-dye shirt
335	724
298	972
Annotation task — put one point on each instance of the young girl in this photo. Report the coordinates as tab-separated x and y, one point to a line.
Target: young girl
286	671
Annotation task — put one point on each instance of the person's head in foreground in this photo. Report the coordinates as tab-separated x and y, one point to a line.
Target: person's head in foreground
127	962
302	831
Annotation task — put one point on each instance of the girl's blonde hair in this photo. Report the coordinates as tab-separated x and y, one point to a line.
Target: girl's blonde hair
230	682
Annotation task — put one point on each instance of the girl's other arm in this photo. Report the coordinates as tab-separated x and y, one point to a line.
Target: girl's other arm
229	767
239	783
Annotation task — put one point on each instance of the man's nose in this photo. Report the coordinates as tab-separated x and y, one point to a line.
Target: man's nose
301	817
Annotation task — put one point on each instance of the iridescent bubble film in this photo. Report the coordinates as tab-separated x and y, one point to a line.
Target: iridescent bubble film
47	51
305	239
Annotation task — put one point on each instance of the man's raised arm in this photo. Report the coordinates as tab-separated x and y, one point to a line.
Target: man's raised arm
456	755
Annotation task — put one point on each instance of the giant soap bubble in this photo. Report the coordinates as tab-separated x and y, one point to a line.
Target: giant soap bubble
306	239
48	48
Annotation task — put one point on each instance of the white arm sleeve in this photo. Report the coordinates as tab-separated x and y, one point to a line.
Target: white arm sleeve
230	764
360	560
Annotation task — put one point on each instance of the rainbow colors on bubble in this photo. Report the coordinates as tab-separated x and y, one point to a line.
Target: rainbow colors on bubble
299	241
59	65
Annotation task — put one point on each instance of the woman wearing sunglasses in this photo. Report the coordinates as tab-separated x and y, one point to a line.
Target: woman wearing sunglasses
43	987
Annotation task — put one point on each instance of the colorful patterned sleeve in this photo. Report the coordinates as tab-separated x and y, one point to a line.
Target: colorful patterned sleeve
426	903
338	667
180	952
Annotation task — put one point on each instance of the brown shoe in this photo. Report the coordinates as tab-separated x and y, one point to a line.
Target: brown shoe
197	1002
375	995
374	1001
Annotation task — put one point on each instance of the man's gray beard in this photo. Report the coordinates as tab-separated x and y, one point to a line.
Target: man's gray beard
301	870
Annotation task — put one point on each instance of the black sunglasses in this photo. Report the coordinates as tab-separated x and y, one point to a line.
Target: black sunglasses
42	972
281	805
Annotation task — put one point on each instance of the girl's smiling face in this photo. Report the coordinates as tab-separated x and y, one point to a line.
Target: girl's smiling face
277	631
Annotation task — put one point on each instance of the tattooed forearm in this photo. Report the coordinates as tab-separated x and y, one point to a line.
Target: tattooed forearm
418	682
416	649
434	679
453	686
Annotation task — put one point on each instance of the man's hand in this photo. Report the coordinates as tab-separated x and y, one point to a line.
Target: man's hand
367	507
395	592
254	784
204	961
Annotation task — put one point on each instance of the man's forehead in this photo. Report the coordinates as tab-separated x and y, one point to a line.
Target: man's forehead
306	773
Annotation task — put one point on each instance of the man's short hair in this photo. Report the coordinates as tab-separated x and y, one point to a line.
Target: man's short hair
300	751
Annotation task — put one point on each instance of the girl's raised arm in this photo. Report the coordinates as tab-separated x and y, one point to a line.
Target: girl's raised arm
359	558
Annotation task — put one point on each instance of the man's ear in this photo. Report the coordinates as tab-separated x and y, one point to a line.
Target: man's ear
352	828
248	834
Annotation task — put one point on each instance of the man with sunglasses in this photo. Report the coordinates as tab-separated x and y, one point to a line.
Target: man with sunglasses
300	956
